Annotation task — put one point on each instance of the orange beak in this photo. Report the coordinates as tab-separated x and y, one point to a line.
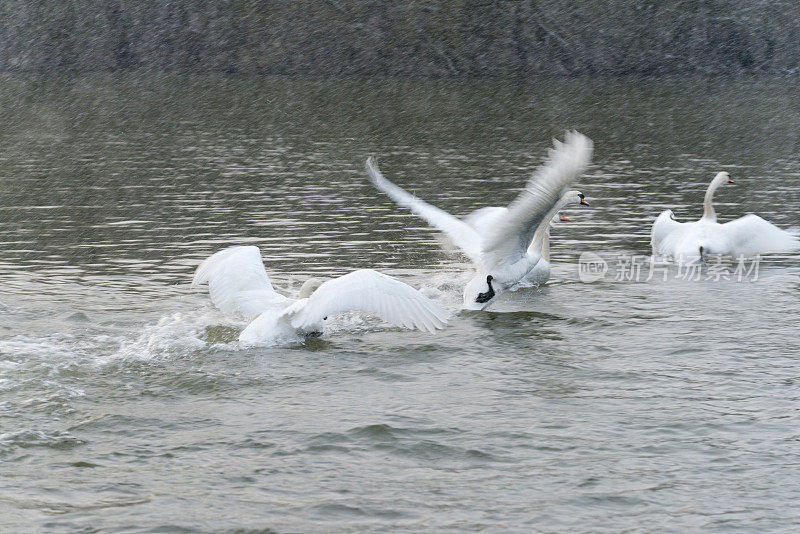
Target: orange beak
730	180
563	217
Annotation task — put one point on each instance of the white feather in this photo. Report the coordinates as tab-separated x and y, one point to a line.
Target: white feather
746	236
238	283
513	234
372	292
664	225
461	234
499	240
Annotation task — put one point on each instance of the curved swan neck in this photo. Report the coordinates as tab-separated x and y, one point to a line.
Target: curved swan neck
540	236
546	247
708	208
308	288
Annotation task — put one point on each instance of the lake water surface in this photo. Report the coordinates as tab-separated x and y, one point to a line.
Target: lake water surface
636	405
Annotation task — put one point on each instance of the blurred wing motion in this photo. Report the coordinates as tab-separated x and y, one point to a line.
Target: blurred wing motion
237	281
462	234
484	218
368	291
751	235
510	237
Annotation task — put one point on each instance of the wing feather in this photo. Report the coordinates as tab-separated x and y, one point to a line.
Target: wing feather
510	237
751	235
460	233
237	281
372	292
664	225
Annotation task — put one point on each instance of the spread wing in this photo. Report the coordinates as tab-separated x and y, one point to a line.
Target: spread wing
372	292
460	233
751	235
510	237
237	281
483	219
664	225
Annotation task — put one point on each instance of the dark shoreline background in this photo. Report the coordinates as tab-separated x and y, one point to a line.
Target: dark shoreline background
426	38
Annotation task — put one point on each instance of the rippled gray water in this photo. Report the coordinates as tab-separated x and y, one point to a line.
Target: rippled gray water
127	405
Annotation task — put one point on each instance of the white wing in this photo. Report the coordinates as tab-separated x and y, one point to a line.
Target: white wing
751	235
462	235
510	238
485	218
372	292
664	225
237	281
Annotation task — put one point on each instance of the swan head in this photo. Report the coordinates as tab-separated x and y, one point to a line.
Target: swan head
481	291
308	287
723	177
573	197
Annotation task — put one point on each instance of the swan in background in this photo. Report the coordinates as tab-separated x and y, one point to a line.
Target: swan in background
505	244
746	236
541	271
238	283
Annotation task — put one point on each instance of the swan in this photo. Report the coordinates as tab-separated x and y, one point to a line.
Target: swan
505	244
482	219
746	236
540	273
238	283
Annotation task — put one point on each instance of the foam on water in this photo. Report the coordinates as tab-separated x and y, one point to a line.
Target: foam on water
178	333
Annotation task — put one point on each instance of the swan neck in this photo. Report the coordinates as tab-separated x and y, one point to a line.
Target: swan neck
708	208
541	238
546	247
308	288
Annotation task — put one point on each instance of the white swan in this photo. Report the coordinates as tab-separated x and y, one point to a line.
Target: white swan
482	220
238	283
746	236
505	244
540	274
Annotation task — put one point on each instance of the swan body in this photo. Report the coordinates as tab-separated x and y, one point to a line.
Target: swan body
746	236
505	244
238	283
482	219
540	273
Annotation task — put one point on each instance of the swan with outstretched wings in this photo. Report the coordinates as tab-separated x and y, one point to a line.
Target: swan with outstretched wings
504	243
746	236
238	283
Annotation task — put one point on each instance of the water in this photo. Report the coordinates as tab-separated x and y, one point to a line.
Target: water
126	404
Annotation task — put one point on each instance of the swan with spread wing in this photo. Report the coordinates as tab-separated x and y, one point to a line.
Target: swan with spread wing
504	243
746	236
481	219
238	283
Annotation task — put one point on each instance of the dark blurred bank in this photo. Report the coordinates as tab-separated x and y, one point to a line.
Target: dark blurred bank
403	38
